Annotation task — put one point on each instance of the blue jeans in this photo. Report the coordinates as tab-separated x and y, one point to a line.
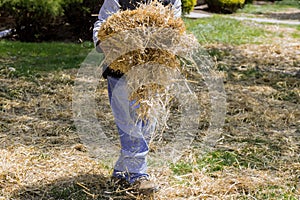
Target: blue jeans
134	134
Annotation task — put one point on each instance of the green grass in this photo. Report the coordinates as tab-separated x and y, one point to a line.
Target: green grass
262	9
33	58
212	162
278	6
291	3
181	168
217	160
296	34
258	154
218	29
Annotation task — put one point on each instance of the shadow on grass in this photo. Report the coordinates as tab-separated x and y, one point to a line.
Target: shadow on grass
87	186
284	16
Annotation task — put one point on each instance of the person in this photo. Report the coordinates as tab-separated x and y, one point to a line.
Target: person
131	165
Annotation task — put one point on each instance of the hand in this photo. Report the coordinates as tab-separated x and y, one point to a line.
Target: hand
98	48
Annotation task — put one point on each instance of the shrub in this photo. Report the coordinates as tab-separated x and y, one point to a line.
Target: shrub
225	6
78	13
39	20
187	6
32	16
249	1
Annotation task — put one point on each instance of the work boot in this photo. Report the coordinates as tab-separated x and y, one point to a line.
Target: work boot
145	186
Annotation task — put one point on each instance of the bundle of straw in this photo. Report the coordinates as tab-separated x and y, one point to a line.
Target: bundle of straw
124	33
153	15
146	15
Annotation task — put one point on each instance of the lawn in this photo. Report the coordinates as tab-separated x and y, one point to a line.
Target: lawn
229	31
33	58
257	156
279	6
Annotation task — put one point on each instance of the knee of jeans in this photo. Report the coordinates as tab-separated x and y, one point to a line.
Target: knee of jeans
135	147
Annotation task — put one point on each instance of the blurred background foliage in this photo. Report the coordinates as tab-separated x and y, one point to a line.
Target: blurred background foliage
72	20
35	20
188	6
225	6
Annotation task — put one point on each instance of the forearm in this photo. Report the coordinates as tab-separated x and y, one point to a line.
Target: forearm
108	8
176	8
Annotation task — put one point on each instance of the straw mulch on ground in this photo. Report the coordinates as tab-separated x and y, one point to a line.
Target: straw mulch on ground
42	158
